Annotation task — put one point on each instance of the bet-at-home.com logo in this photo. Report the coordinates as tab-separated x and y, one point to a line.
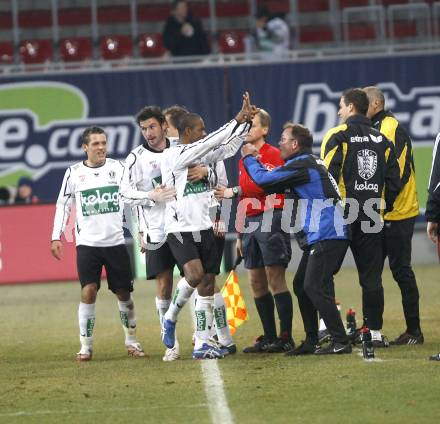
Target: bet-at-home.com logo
41	125
419	111
96	201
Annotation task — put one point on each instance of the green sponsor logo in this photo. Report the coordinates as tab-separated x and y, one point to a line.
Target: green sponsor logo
201	320
220	317
124	319
96	201
194	188
157	181
90	325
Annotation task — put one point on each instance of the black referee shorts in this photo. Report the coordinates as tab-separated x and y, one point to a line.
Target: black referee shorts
115	260
186	246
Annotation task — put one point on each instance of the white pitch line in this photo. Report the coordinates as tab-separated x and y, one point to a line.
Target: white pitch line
214	388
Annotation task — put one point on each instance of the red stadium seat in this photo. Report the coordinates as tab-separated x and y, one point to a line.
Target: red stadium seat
6	53
404	29
313	6
36	51
278	6
76	49
113	14
353	3
74	16
232	9
153	13
316	34
115	47
151	45
391	2
199	9
5	20
361	31
35	18
231	41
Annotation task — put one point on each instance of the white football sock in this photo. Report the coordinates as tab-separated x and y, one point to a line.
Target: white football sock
86	320
376	335
181	296
221	321
128	320
322	325
204	317
162	306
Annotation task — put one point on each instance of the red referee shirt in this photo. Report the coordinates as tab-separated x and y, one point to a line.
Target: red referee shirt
270	158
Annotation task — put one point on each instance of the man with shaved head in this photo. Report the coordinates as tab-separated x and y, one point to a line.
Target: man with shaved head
399	223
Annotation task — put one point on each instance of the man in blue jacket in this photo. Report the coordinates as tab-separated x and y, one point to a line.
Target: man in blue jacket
304	178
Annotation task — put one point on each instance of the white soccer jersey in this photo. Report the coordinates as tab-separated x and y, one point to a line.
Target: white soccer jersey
142	175
190	211
99	209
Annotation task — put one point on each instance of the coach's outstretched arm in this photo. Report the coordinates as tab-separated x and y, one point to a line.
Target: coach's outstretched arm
62	213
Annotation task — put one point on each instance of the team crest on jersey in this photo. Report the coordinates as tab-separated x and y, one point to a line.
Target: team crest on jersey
82	178
112	174
367	163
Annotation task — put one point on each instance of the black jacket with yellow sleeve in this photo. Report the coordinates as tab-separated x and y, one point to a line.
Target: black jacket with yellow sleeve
405	205
363	163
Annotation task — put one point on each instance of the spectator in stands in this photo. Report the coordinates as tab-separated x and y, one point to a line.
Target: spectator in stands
272	34
25	193
183	34
5	196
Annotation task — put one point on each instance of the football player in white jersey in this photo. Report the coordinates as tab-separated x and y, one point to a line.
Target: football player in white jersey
187	222
92	187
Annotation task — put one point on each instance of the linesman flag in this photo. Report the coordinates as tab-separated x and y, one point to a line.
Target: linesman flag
236	311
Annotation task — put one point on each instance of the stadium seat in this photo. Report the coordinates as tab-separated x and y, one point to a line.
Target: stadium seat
231	41
313	6
361	32
200	9
277	6
114	47
403	29
151	45
36	51
6	53
353	3
35	18
316	34
391	2
232	9
74	16
114	14
76	49
153	13
5	20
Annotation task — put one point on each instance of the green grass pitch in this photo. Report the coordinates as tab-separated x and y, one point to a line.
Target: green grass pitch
42	383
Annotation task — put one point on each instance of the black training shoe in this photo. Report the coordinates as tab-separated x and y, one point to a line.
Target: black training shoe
281	345
323	336
435	357
260	346
334	348
408	339
381	343
305	348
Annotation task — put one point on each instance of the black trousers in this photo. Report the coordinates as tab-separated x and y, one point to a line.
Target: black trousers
367	252
313	286
397	238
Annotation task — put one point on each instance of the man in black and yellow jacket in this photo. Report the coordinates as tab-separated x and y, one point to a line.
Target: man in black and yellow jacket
399	223
364	165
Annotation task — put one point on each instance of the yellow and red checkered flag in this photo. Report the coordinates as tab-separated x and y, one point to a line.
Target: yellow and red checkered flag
236	311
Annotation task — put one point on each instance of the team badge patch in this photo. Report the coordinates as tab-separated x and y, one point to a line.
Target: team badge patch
112	174
367	163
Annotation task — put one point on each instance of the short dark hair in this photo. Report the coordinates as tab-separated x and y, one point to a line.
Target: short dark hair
91	130
175	113
189	120
303	135
148	112
358	98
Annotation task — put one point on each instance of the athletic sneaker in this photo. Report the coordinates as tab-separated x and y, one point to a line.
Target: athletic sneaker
305	348
334	348
172	354
408	339
135	350
281	345
85	354
260	346
323	336
435	357
168	333
207	352
381	343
